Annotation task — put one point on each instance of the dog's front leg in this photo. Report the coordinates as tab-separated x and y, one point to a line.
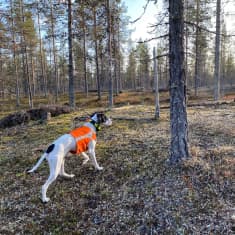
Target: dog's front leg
86	158
94	161
91	150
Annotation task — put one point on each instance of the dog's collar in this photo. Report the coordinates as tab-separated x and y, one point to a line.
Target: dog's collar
96	125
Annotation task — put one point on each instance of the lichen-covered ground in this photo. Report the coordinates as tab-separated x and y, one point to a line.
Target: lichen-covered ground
137	192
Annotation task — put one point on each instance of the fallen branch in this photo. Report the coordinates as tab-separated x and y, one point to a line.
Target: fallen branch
42	114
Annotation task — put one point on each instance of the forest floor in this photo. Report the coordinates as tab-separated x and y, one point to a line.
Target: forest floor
137	192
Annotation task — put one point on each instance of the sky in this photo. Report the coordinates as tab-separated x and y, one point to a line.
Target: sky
229	9
135	10
136	7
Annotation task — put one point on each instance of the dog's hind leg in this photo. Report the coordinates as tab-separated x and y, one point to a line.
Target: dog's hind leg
54	162
62	172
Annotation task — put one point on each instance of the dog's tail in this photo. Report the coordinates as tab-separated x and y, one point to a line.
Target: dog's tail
38	163
49	149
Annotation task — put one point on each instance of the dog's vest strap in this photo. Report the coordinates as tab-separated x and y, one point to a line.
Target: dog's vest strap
83	135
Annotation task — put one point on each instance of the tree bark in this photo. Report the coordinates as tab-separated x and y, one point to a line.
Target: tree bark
178	113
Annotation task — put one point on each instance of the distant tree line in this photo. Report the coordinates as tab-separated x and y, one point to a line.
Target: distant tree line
34	47
34	54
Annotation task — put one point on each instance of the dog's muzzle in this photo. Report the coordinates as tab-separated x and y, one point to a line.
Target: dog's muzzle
108	122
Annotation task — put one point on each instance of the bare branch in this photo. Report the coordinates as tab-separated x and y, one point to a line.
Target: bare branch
150	39
207	30
145	7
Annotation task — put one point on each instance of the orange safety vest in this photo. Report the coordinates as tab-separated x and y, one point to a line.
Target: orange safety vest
83	135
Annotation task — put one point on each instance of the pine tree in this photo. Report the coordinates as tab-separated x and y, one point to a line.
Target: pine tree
178	114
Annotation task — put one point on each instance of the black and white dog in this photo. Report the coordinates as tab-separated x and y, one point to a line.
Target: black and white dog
78	141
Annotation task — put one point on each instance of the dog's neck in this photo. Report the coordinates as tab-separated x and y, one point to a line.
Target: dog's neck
96	125
91	126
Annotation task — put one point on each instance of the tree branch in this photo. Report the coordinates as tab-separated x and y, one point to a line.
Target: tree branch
150	39
145	7
207	30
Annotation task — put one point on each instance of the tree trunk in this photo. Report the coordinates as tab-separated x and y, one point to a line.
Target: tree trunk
44	82
84	53
178	113
70	66
34	85
54	54
217	53
157	105
25	60
30	95
119	58
196	72
115	64
17	88
109	30
96	56
2	89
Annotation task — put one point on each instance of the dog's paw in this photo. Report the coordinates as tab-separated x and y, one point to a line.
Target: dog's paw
65	175
29	171
100	168
85	161
45	200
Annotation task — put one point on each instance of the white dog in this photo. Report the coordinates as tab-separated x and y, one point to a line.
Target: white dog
78	141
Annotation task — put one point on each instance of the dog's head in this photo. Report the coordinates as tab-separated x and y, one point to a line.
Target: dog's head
101	118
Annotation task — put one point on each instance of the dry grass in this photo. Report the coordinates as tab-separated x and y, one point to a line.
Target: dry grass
137	193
